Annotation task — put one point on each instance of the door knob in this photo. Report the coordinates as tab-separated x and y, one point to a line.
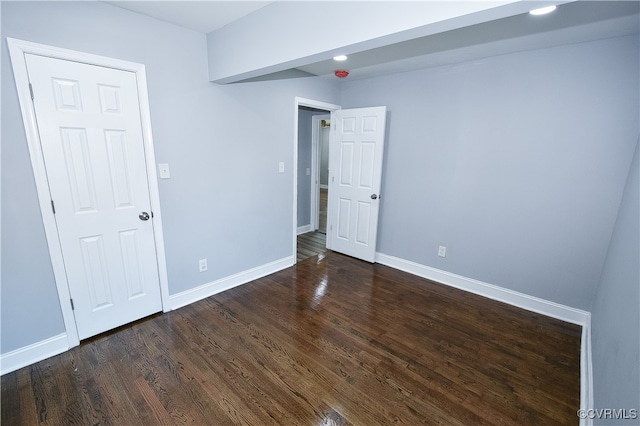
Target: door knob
144	216
374	196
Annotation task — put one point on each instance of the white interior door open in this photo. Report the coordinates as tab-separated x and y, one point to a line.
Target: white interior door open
355	175
89	122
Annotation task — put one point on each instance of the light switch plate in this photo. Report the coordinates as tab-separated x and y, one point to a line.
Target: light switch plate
281	167
163	170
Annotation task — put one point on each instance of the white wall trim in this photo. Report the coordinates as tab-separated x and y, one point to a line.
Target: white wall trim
27	355
514	298
17	51
22	357
304	229
521	300
195	294
586	373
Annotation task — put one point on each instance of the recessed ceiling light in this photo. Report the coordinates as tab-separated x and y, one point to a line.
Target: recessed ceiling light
340	58
543	10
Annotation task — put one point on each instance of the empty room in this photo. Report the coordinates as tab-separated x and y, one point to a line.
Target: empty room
474	207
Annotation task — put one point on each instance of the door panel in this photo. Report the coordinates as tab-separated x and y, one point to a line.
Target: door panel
355	168
96	272
90	130
363	220
346	163
342	223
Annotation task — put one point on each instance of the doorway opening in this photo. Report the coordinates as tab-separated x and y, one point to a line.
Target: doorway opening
313	120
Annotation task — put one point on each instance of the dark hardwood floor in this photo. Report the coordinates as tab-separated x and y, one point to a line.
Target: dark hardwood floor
330	341
315	243
311	244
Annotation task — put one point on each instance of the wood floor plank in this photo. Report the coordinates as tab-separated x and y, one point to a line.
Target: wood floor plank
311	244
242	371
330	341
18	399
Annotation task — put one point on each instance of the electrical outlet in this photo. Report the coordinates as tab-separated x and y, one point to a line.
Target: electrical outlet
442	251
202	265
163	170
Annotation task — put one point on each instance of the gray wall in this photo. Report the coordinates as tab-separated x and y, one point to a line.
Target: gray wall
615	317
516	163
225	200
304	162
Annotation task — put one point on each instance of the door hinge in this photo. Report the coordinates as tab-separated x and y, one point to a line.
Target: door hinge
151	214
31	90
72	307
53	207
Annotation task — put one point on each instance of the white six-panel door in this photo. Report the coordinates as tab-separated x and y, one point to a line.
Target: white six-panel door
355	174
88	118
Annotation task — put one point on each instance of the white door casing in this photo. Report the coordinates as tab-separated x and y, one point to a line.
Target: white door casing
355	175
90	124
90	132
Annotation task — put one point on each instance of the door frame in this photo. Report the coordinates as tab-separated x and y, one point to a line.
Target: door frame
17	51
311	103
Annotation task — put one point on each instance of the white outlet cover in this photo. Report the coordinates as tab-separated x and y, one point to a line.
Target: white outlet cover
163	171
442	251
202	265
281	167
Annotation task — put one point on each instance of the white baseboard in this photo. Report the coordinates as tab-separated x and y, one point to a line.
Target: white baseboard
187	297
16	359
55	345
586	373
521	300
304	229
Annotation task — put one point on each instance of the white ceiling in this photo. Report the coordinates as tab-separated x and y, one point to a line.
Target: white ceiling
201	16
573	22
